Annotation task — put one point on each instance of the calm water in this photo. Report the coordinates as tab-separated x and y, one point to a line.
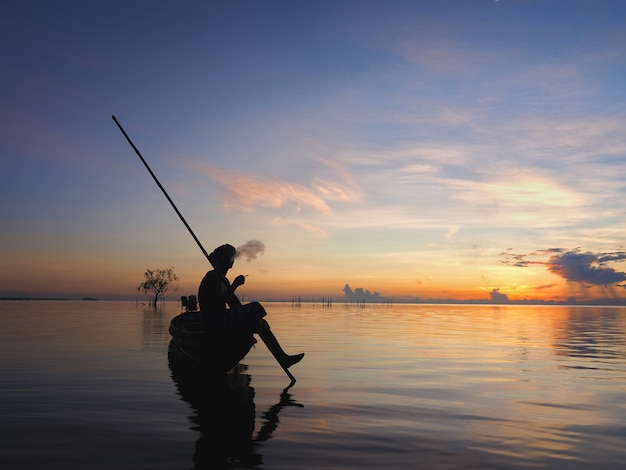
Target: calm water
86	385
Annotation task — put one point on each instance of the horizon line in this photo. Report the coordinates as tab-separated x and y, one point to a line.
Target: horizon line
297	301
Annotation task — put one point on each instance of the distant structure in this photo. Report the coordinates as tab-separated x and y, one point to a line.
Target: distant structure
296	301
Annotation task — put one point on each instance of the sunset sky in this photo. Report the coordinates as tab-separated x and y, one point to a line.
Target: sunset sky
415	149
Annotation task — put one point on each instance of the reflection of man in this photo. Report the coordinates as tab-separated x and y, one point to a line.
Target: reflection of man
224	414
226	423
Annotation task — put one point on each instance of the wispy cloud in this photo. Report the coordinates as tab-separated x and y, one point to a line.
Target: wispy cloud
440	48
450	233
333	191
249	192
521	172
314	230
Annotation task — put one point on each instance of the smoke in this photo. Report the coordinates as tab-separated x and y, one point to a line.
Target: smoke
573	265
251	249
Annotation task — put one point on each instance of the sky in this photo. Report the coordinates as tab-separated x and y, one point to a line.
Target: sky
468	149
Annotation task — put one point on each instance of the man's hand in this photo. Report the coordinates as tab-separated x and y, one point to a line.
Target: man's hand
239	280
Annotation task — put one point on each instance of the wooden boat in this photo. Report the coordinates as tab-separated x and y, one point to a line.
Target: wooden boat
217	351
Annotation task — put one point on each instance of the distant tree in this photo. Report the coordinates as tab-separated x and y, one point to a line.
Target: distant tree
158	282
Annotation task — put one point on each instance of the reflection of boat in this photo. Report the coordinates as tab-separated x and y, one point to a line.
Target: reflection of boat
223	413
219	351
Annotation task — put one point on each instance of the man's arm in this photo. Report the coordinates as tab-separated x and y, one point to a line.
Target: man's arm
231	298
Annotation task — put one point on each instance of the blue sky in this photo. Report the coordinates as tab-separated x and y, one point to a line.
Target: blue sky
408	148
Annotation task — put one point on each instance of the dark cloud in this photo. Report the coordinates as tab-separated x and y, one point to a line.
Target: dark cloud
519	261
498	297
362	295
573	265
616	256
586	268
527	259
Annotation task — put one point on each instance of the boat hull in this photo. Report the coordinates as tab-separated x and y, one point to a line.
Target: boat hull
217	351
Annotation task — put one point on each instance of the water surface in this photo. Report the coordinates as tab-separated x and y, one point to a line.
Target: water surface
88	385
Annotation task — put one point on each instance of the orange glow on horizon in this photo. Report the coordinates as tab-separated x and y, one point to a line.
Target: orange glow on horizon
114	279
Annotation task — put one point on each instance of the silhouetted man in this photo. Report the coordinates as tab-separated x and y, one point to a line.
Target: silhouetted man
220	307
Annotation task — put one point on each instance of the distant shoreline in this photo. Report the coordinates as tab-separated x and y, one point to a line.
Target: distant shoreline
34	298
538	303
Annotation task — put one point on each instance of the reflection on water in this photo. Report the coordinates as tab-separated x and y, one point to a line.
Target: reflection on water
463	386
154	328
223	413
593	333
87	385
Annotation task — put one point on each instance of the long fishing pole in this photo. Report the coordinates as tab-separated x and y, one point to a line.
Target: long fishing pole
156	180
